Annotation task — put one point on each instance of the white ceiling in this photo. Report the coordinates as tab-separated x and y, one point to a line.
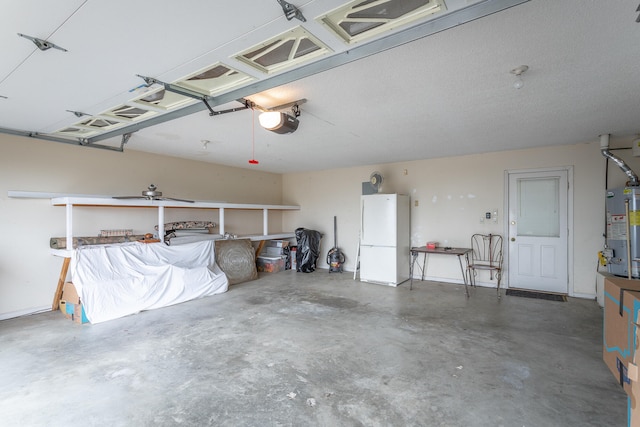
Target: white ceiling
446	94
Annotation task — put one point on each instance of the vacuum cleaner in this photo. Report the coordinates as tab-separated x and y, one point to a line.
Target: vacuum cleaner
335	257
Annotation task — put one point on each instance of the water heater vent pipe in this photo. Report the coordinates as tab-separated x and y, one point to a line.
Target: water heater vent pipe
604	149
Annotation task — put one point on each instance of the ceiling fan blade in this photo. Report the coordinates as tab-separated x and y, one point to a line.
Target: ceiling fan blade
176	200
152	194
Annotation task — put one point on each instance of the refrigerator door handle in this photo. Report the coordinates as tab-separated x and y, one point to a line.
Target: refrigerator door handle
362	221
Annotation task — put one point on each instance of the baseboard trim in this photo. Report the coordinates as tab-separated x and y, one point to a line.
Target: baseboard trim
26	312
583	296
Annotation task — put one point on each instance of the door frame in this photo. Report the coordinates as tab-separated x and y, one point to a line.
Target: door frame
505	219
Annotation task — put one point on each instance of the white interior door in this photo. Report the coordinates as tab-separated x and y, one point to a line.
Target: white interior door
538	230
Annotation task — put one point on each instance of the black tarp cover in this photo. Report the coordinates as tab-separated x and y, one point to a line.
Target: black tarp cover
308	249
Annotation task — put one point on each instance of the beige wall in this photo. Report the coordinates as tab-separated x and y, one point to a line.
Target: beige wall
451	195
29	274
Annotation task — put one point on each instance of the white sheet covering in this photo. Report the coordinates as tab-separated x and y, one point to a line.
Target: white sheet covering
115	281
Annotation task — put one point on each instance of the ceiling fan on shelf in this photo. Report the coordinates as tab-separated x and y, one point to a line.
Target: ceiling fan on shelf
152	194
376	179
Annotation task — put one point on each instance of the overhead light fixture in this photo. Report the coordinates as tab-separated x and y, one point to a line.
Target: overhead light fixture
278	122
518	72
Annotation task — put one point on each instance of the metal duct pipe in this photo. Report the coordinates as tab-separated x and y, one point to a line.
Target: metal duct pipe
604	149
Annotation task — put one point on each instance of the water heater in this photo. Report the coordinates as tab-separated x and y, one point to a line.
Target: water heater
618	222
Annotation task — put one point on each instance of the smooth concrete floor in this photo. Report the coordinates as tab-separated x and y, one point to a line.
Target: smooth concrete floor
318	349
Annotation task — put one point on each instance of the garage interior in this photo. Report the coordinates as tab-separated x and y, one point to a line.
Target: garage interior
447	101
318	349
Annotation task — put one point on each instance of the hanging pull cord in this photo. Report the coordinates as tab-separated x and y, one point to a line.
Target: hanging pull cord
253	160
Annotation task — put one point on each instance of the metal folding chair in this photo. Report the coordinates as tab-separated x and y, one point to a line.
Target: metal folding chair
486	255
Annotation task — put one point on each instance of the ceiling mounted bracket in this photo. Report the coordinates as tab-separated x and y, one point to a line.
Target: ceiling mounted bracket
290	11
125	139
77	113
42	44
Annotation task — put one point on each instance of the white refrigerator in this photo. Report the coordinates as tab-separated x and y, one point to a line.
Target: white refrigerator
384	238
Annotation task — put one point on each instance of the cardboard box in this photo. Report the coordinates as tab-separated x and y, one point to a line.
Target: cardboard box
621	337
621	307
63	309
293	262
267	264
73	308
633	410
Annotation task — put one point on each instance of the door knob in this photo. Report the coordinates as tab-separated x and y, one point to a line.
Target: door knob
513	239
